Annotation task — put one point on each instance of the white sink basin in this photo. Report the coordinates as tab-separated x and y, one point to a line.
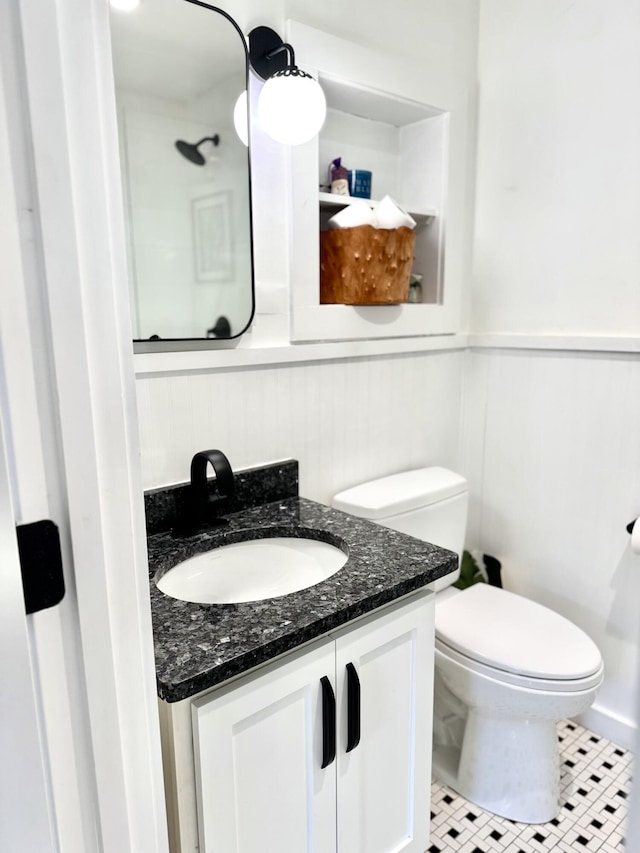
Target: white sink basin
252	570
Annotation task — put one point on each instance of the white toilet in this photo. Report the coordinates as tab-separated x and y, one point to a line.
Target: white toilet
506	668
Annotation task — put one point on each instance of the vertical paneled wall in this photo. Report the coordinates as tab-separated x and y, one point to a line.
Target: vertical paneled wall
554	466
345	420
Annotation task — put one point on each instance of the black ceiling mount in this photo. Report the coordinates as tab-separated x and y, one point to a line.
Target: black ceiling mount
268	53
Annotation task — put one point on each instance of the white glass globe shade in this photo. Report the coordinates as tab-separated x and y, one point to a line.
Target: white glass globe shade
292	108
241	118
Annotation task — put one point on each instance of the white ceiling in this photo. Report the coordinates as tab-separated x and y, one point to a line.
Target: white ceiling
173	49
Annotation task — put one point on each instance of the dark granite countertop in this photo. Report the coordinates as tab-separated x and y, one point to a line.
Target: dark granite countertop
200	645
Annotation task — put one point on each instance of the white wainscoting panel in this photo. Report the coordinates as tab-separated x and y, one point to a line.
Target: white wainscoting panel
345	420
552	452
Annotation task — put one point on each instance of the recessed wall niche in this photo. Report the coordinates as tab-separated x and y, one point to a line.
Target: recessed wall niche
384	118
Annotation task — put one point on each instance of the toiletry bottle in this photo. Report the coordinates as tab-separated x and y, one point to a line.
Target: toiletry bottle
338	178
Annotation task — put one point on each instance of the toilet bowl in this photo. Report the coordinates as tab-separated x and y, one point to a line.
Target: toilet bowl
506	668
498	698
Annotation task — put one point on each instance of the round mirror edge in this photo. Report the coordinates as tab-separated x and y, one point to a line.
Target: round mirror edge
145	345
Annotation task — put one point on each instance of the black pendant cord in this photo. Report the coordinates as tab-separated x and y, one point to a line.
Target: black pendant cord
221	12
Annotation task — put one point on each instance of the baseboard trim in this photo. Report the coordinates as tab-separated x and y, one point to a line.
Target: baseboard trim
603	722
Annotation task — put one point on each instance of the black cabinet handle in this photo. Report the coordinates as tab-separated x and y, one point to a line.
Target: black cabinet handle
353	708
328	722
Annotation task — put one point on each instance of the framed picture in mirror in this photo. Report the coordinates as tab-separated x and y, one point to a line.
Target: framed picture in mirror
212	237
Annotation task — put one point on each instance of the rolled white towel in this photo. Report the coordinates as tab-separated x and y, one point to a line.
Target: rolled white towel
357	213
388	214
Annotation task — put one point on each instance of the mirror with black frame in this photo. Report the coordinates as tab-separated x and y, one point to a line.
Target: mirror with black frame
180	72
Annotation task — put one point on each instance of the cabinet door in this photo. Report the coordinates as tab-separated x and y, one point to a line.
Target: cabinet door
258	754
384	782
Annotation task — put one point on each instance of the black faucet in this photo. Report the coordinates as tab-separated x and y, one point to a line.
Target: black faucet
203	508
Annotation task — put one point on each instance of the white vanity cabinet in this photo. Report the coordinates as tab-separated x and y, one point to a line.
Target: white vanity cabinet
256	744
384	784
260	743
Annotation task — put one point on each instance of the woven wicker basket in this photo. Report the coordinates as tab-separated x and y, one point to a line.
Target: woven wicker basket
365	265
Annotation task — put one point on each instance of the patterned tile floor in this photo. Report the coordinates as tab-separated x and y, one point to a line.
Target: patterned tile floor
595	780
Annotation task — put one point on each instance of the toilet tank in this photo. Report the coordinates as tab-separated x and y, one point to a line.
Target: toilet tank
428	503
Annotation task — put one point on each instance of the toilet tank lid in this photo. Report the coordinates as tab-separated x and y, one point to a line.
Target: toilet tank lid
401	492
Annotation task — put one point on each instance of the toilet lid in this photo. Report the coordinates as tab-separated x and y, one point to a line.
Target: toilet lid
512	633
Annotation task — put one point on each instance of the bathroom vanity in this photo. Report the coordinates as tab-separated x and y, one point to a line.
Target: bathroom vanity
301	722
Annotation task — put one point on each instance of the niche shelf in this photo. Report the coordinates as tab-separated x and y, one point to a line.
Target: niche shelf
331	203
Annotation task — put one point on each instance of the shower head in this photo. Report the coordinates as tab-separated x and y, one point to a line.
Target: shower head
190	149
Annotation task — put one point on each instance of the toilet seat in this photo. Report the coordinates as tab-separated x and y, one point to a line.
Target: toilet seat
544	685
482	627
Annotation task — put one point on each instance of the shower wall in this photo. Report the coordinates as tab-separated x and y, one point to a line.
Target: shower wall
170	222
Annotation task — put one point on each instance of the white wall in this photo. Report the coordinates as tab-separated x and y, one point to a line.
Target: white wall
552	436
558	183
345	420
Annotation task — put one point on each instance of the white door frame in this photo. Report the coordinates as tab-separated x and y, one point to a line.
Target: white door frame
70	361
27	820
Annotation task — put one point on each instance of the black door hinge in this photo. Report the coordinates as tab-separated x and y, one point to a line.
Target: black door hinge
40	564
